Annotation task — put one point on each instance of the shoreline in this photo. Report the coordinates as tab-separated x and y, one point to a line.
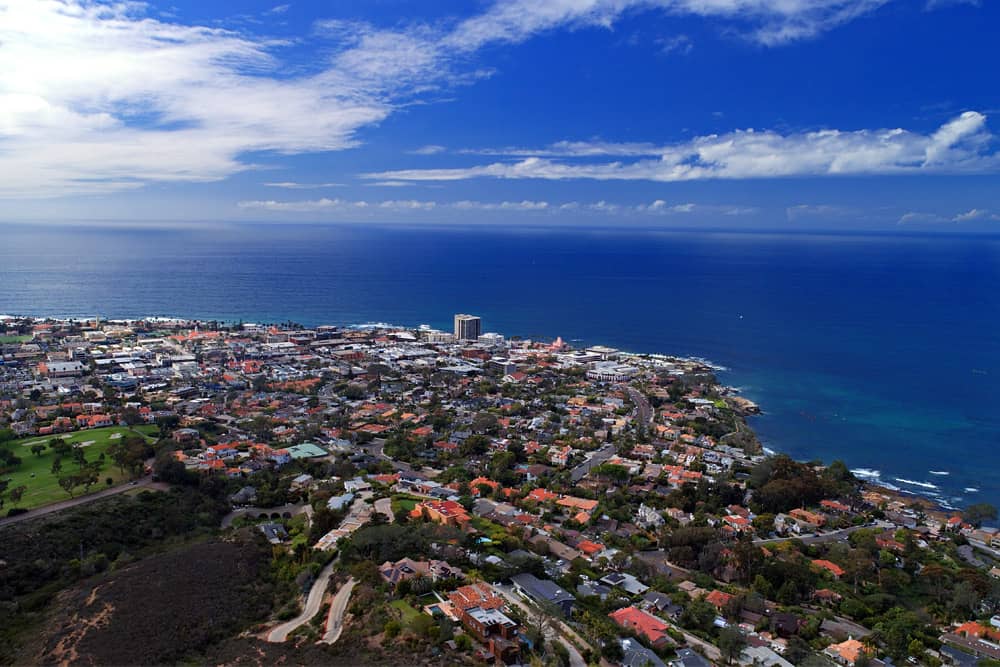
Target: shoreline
870	479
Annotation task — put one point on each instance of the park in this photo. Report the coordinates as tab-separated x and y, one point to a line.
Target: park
41	481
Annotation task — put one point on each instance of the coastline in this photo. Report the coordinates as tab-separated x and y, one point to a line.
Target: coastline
870	480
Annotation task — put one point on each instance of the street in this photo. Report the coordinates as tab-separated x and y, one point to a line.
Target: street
335	618
313	603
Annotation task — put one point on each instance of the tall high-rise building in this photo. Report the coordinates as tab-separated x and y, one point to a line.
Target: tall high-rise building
468	327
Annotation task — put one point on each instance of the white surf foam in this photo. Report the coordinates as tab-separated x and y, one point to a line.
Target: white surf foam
922	485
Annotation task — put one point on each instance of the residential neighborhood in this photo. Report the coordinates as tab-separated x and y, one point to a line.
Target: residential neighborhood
501	500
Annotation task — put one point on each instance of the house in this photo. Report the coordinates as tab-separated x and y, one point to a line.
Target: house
688	658
340	502
543	592
494	629
445	512
832	568
245	496
274	532
357	485
541	495
302	481
406	568
647	626
718	599
479	594
635	654
625	581
846	652
647	517
808	517
763	656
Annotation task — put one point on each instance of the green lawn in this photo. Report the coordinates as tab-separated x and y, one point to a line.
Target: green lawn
44	488
407	613
14	339
405	502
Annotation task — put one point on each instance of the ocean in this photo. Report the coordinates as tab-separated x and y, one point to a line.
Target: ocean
877	349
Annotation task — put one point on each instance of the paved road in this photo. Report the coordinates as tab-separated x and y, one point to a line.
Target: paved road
596	459
335	619
313	603
384	507
644	411
965	551
256	511
145	483
822	538
555	631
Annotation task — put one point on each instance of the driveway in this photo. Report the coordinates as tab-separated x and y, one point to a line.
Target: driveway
335	619
313	603
384	507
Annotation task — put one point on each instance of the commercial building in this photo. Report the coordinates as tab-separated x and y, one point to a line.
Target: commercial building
468	327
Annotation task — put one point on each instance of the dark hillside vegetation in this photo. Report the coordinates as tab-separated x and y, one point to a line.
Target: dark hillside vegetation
40	557
162	609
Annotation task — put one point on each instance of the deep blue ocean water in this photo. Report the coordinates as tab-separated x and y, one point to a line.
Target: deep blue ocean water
881	350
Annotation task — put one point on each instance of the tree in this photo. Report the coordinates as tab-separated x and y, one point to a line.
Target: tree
731	643
978	513
80	457
57	465
17	493
37	449
68	483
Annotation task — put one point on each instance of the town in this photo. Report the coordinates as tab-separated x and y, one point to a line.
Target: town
464	497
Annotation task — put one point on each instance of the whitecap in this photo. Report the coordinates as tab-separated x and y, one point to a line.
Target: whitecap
939	472
866	473
971	489
922	485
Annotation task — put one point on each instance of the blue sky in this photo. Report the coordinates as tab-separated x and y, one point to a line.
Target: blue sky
799	114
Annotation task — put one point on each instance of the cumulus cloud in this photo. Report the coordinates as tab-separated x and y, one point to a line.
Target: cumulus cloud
101	96
962	145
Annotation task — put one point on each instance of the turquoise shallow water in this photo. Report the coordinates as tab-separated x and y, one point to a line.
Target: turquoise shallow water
880	350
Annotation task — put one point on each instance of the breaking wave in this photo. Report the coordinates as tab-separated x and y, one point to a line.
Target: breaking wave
922	485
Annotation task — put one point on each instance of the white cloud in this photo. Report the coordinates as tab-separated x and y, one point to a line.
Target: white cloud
431	149
291	185
98	97
680	44
657	208
976	214
962	145
279	9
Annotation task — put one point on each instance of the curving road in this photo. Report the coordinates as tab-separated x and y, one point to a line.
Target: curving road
335	619
313	603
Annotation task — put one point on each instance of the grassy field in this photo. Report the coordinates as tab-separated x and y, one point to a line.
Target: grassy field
403	502
35	472
14	339
407	613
